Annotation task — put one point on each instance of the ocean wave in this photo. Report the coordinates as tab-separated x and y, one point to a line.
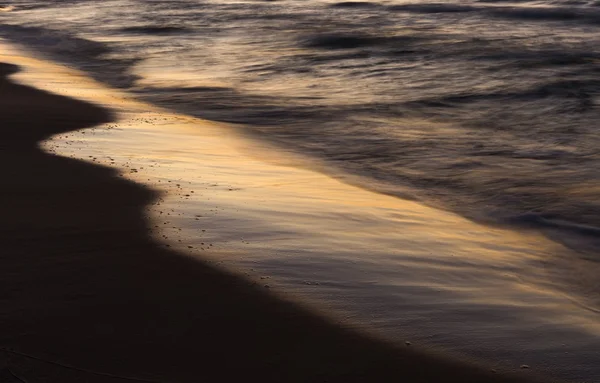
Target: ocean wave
53	41
582	91
540	59
434	8
355	4
88	55
155	29
343	41
543	14
582	14
580	237
354	40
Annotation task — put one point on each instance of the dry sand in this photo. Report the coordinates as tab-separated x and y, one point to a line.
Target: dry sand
87	295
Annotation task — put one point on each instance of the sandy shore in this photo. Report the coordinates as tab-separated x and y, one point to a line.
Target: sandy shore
88	295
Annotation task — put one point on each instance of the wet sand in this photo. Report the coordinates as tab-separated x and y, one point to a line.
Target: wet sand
88	295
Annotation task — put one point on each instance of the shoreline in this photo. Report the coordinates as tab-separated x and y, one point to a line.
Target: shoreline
88	290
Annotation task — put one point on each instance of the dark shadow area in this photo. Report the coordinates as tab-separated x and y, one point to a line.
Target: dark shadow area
355	4
155	29
87	295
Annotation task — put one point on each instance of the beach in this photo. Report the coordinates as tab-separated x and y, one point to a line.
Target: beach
218	190
89	295
234	216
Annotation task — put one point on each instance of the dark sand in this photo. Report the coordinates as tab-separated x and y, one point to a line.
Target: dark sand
87	296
